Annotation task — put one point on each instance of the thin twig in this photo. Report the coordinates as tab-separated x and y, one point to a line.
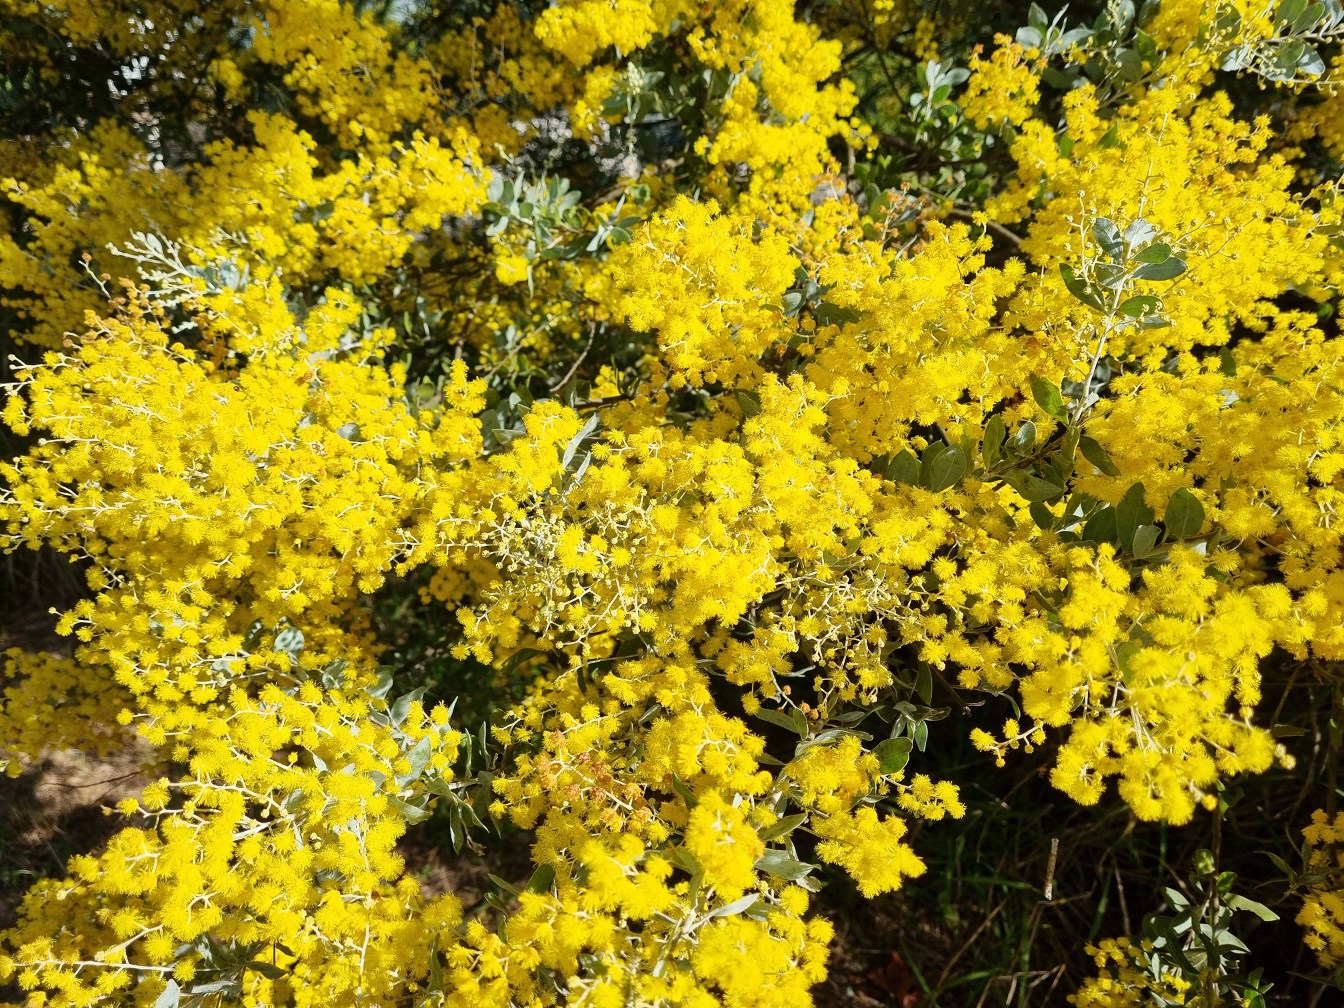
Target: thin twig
592	336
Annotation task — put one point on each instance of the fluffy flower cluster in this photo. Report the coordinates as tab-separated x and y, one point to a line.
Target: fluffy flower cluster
1322	912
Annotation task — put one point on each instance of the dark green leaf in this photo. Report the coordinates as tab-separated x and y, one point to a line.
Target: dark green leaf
1185	514
1139	305
1096	454
946	468
793	719
931	453
1130	513
435	968
1032	488
783	827
1146	46
737	906
1145	540
904	468
683	789
924	683
919	734
411	813
1289	11
1159	252
541	879
418	757
893	754
1168	269
827	314
780	865
1108	237
1129	64
507	887
1057	469
1023	439
992	444
1286	59
830	735
1309	18
1047	395
517	658
1079	287
1101	526
1109	274
1057	78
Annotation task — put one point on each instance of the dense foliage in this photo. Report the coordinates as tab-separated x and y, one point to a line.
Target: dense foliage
651	431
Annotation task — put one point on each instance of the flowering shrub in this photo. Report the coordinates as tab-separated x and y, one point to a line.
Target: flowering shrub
747	455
